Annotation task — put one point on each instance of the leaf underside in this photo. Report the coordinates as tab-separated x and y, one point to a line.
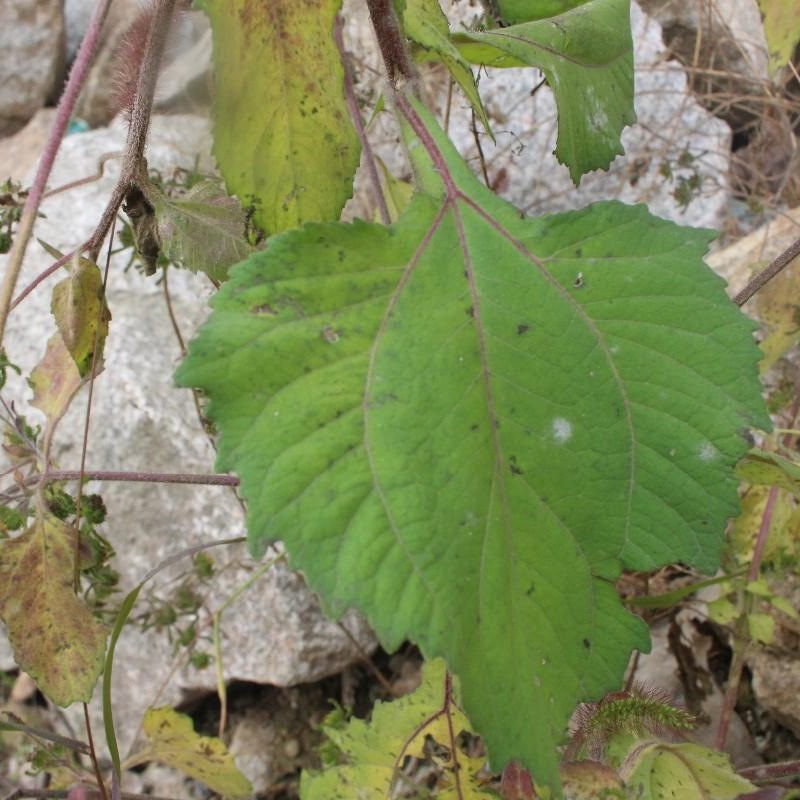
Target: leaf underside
466	423
282	135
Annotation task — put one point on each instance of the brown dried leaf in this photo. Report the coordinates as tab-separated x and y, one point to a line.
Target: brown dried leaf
54	635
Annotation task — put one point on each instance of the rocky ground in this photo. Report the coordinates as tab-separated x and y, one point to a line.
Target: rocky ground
715	146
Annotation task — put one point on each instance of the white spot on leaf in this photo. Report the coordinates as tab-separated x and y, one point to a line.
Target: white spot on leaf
562	430
707	452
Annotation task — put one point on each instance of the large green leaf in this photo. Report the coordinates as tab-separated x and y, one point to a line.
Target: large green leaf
465	424
282	135
586	55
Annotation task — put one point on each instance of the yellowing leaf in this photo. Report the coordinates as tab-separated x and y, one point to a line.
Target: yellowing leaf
55	637
282	135
782	28
425	725
173	741
777	307
55	379
81	314
784	526
661	771
770	469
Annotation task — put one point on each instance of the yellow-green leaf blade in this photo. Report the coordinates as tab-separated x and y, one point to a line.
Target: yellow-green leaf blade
81	314
423	724
53	633
282	135
172	741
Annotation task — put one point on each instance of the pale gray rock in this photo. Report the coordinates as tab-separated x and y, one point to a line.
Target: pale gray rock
20	153
31	58
274	632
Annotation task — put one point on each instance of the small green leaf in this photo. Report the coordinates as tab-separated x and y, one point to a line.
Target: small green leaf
587	58
425	23
204	230
723	611
282	135
761	627
53	633
422	725
173	741
784	606
660	771
759	588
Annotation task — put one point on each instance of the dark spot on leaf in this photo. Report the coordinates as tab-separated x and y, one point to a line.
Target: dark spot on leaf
474	427
587	644
515	470
579	252
470	312
522	328
531	590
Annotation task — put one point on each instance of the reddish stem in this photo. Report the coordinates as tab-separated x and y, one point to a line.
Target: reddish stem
136	477
66	104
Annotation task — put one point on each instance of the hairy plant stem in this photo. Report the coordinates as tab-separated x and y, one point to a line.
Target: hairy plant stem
133	165
77	77
391	42
768	273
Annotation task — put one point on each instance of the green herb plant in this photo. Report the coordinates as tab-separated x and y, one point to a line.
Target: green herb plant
460	420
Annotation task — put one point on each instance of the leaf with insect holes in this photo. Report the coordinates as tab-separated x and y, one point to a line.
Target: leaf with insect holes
203	230
661	771
171	740
283	138
465	424
55	637
586	55
782	28
426	727
424	22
